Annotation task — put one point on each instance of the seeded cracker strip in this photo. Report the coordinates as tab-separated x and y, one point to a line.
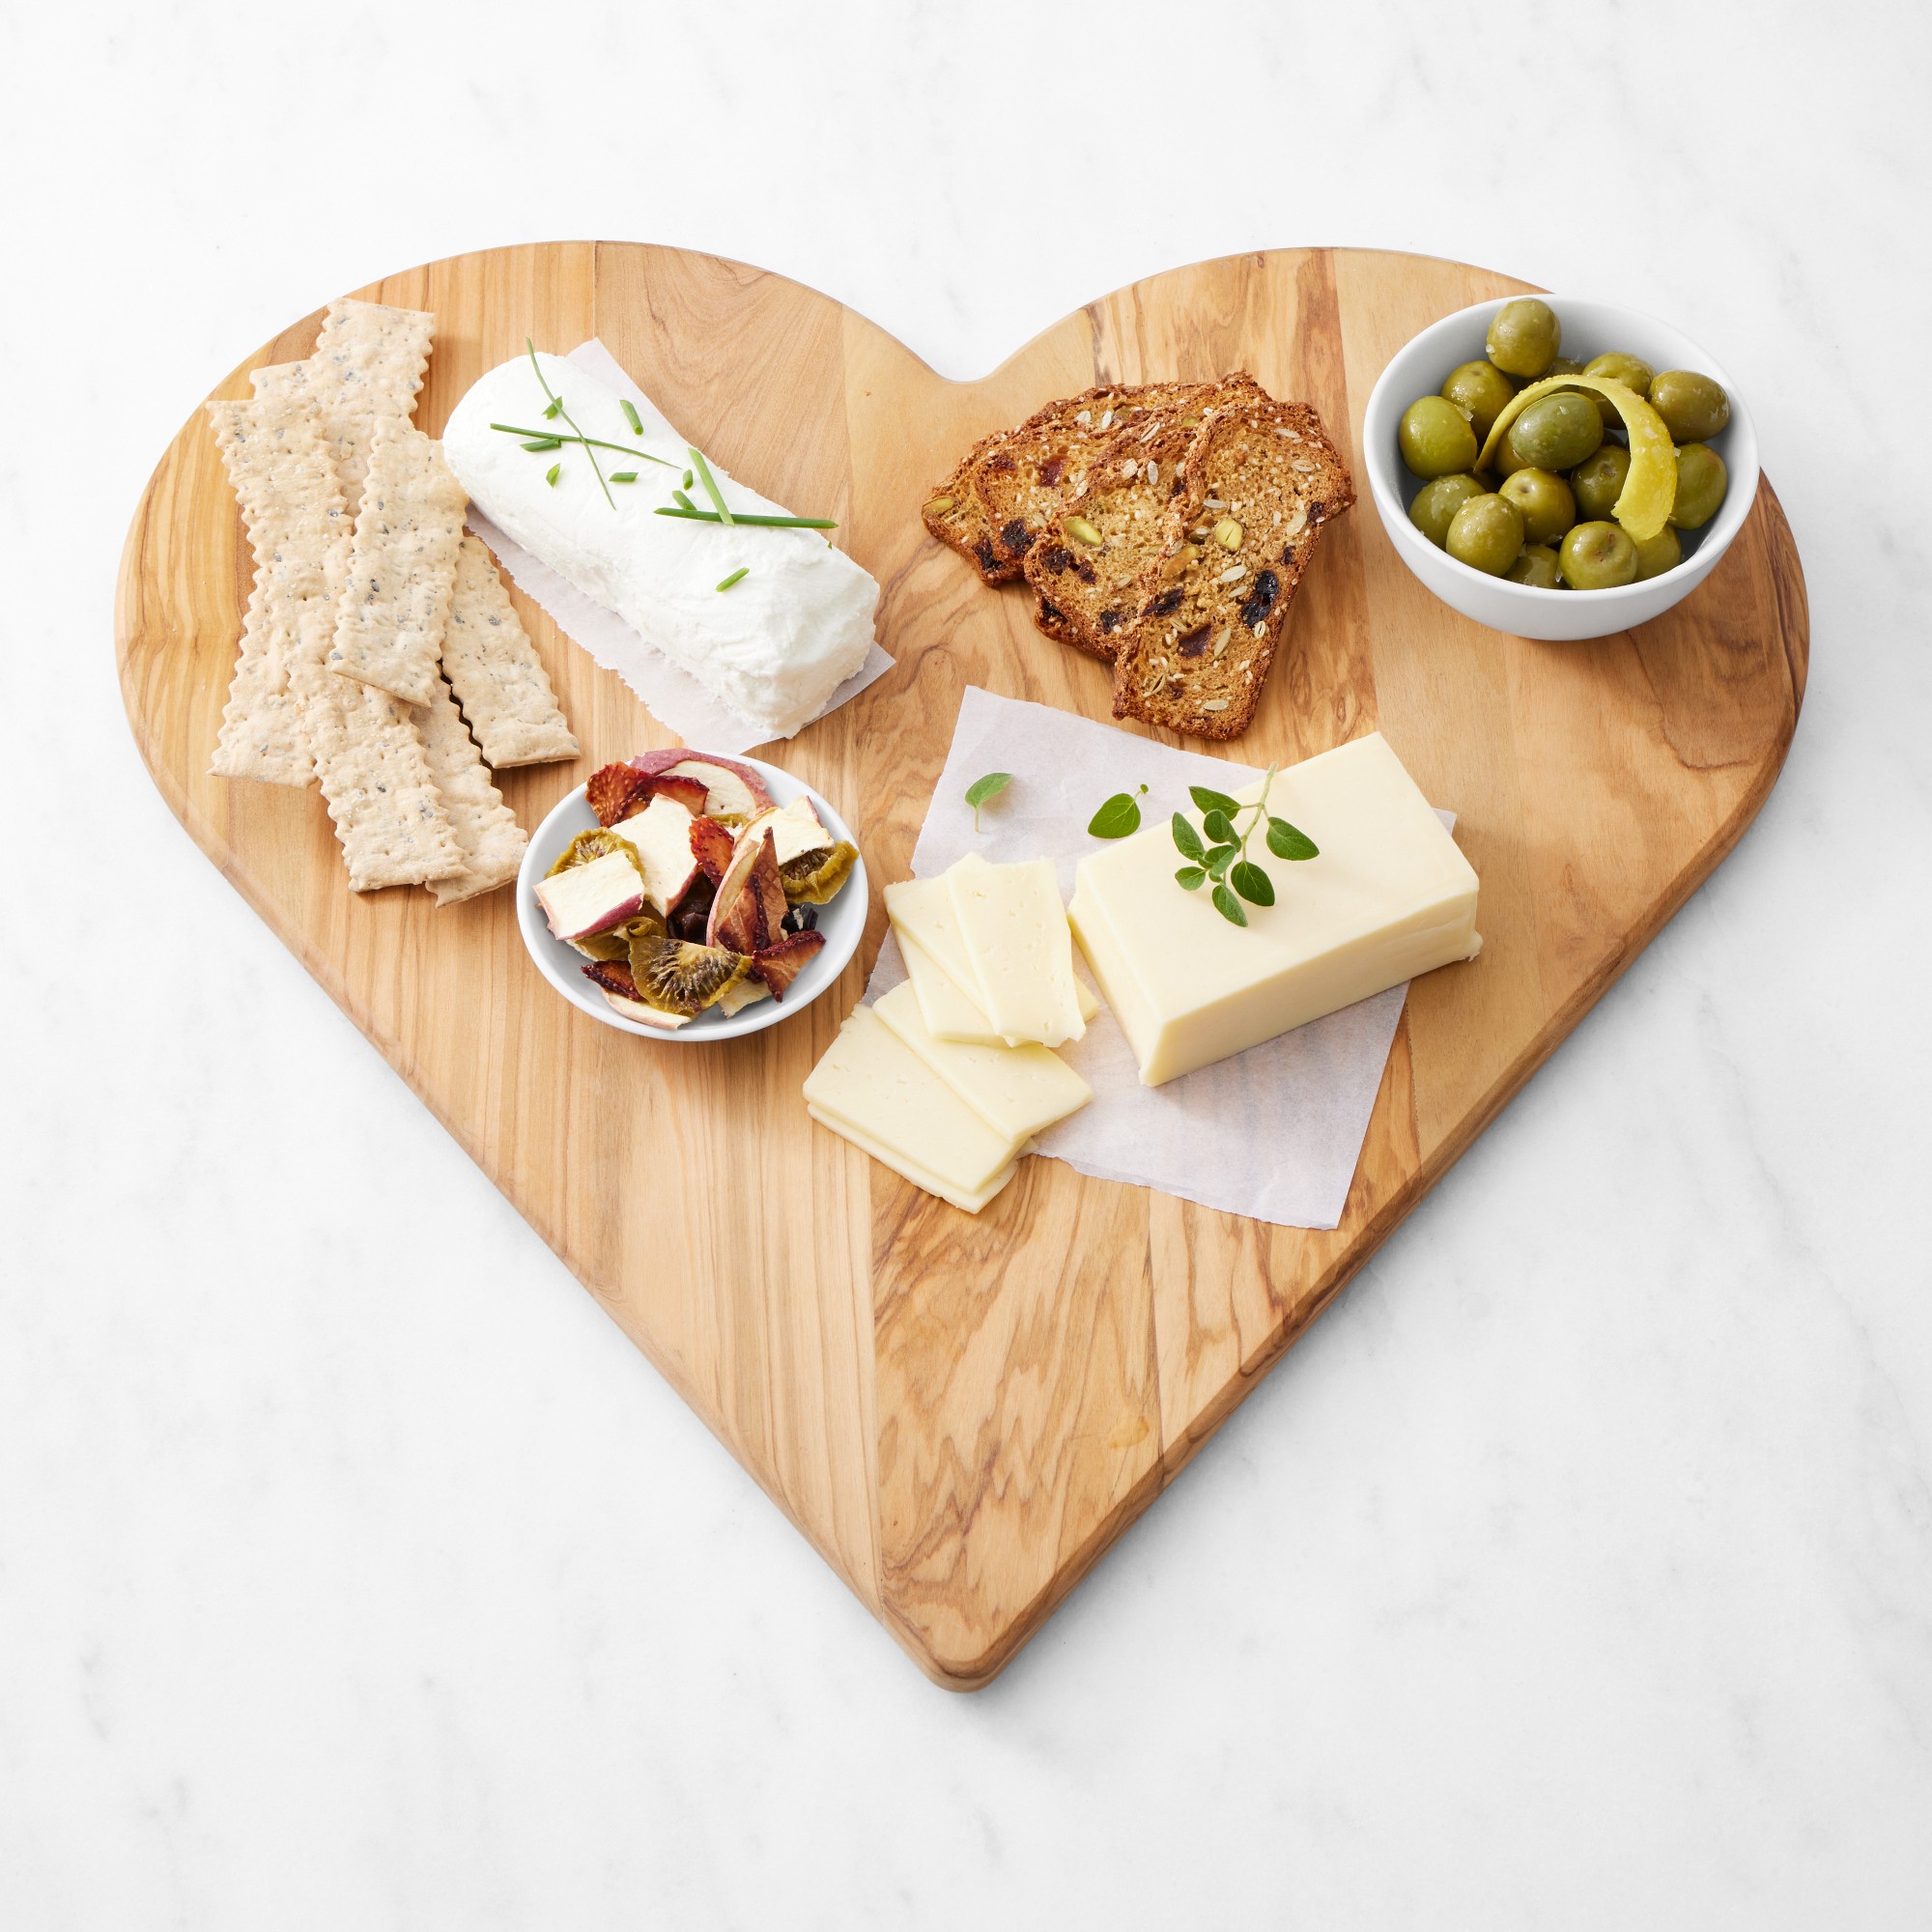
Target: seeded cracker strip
495	670
290	506
402	567
486	829
368	364
368	754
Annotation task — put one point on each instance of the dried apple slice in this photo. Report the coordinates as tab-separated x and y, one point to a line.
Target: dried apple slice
748	912
730	787
1651	488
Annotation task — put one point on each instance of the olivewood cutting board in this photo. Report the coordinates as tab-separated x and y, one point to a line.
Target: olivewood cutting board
962	1414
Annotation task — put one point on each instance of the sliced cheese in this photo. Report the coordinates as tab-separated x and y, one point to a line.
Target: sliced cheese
1013	927
1017	1091
1390	896
921	911
871	1082
911	1170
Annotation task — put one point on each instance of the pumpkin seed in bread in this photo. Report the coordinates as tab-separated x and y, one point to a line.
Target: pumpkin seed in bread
1092	554
1045	460
952	514
1262	484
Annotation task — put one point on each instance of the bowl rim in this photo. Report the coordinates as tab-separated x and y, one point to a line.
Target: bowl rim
542	945
1382	465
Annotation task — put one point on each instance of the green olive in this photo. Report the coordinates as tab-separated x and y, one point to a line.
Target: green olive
1536	567
1597	556
1435	437
1437	503
1659	553
1504	460
1524	336
1486	533
1693	407
1481	391
1599	481
1701	482
1557	432
1564	365
1548	507
1631	371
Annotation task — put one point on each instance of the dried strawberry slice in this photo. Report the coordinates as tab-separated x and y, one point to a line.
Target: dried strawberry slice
778	966
615	791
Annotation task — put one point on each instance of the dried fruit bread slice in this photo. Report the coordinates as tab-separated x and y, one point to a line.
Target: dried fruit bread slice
1044	461
1263	483
1093	551
952	514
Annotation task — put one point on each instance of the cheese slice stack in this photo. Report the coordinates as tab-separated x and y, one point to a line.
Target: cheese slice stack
941	964
952	1119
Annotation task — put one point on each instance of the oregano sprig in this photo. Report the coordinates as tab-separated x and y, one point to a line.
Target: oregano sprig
1224	857
1119	816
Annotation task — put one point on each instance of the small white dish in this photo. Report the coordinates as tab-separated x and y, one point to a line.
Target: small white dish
842	922
1589	328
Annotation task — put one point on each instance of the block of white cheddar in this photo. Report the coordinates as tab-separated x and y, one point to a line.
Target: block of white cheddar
872	1086
1390	896
1013	927
921	911
1017	1091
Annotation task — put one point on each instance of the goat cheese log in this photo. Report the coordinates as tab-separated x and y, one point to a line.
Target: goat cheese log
774	646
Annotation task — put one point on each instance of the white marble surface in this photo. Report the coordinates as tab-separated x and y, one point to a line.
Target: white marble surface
353	1572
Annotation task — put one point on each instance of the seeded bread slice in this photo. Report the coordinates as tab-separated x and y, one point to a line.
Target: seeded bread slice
1045	460
952	514
1093	552
1261	486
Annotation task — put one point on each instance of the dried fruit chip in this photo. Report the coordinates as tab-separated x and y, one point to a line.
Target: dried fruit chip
813	878
615	791
598	844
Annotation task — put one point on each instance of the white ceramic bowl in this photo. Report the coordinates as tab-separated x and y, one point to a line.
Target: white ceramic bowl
842	922
1589	328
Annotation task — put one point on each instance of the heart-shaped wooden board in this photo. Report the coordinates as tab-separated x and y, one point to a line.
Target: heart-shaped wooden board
962	1413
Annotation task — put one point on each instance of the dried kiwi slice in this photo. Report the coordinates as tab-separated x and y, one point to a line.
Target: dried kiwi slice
675	976
813	878
595	845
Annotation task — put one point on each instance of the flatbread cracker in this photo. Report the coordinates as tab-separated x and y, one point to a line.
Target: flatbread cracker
368	756
262	735
486	829
368	364
495	670
272	449
402	567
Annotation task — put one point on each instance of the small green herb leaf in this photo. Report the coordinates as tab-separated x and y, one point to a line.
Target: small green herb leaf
623	475
982	789
553	474
1220	859
631	415
744	570
1211	800
1119	816
1252	883
1187	840
1286	842
1190	877
1228	906
1219	826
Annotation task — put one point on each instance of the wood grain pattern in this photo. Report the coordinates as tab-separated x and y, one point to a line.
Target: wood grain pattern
962	1414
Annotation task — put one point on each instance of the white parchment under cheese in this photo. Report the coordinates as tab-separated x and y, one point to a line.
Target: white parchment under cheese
1274	1133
